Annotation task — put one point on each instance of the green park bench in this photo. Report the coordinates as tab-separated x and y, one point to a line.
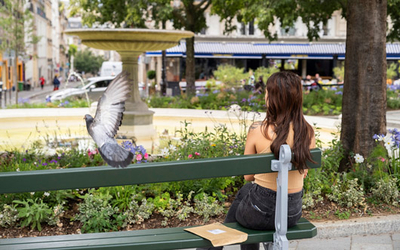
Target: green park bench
164	238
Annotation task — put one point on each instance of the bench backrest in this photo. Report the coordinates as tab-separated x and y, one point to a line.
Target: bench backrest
72	178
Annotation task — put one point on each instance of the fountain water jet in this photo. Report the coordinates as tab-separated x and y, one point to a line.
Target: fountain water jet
130	43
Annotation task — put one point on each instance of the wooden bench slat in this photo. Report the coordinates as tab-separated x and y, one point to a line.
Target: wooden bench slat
72	178
152	239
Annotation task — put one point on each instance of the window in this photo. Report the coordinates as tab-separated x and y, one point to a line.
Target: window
242	29
102	84
251	28
288	31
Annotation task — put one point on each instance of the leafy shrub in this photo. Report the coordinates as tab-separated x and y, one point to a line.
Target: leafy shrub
207	206
265	73
386	191
97	215
151	74
322	179
33	213
177	208
347	192
55	218
8	216
230	75
311	198
136	214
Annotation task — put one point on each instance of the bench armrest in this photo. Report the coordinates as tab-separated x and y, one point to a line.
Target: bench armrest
283	166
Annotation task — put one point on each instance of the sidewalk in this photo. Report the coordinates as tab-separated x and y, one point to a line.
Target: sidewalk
34	94
374	233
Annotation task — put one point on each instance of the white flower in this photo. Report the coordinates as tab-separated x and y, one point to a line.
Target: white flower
1	216
17	169
359	158
380	137
46	193
32	193
165	152
389	143
172	147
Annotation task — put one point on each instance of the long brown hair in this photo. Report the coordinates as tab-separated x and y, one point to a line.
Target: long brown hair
285	106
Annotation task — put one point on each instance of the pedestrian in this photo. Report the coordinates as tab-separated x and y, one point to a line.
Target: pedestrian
56	83
260	86
28	84
42	81
316	85
254	205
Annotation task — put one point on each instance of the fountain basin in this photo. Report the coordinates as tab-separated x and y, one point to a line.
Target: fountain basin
130	39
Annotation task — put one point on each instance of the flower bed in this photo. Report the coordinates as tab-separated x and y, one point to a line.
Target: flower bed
372	180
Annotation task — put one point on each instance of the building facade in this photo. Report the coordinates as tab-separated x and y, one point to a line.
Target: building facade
46	56
247	48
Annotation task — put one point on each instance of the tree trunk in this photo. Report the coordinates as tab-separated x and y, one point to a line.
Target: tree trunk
164	83
364	93
190	79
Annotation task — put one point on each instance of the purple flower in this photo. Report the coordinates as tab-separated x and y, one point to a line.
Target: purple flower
244	100
24	159
375	137
44	164
339	93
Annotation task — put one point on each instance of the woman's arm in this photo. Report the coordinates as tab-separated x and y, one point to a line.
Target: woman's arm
250	147
312	145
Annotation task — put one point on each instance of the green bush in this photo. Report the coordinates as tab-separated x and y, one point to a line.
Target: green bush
135	213
151	74
8	216
230	75
347	192
33	213
386	191
97	214
265	73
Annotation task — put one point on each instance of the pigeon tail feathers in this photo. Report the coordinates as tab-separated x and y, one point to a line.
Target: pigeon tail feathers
115	155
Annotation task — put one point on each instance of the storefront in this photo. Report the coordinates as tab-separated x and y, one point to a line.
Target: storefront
304	59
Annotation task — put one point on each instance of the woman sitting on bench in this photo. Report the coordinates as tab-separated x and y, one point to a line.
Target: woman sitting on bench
254	205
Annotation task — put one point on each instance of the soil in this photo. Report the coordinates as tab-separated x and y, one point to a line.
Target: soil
324	211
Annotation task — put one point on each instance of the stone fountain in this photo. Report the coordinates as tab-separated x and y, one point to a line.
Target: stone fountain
130	43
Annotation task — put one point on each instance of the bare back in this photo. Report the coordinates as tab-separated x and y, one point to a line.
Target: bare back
257	143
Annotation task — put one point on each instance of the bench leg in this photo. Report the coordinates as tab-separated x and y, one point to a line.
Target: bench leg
268	245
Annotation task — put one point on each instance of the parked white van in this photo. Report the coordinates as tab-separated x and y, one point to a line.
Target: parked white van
110	69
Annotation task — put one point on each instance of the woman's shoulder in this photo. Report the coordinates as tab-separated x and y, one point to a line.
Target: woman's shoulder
255	127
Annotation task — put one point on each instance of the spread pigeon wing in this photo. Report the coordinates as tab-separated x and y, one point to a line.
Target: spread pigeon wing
111	105
107	120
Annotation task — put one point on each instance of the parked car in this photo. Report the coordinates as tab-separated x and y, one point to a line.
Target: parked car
95	87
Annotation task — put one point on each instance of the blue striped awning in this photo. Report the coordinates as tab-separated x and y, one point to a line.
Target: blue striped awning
271	50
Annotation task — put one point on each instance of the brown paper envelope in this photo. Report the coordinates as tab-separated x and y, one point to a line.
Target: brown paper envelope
218	234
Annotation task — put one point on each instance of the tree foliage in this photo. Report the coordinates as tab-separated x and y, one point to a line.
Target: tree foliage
85	61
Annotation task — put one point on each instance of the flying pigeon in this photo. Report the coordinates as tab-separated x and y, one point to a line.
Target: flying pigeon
104	126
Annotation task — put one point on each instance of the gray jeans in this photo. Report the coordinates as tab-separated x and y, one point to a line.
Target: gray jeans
254	208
